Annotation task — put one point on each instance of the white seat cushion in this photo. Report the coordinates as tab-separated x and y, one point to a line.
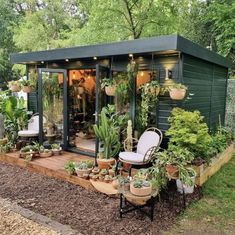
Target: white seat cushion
131	157
28	133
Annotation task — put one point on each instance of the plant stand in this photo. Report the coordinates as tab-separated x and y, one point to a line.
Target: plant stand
129	203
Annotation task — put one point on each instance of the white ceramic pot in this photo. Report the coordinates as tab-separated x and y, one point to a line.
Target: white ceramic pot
187	189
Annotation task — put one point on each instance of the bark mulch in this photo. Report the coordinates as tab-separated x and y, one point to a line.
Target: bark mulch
86	211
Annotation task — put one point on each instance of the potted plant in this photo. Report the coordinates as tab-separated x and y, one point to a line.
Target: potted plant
26	86
109	85
177	91
186	180
141	187
108	178
70	167
124	182
43	152
56	149
29	149
152	88
83	168
109	137
173	158
14	86
104	172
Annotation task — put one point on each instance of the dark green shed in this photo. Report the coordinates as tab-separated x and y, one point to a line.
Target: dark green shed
203	71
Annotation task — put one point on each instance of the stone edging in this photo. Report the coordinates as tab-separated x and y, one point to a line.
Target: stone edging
38	218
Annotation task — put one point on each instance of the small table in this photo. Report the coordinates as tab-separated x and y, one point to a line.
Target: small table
137	203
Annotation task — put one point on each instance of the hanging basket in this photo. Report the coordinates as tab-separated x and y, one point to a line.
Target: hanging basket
27	89
15	88
177	93
110	90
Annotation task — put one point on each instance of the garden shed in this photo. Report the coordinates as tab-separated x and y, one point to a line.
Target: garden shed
74	75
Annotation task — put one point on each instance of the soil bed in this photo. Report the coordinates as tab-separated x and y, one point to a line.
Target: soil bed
86	211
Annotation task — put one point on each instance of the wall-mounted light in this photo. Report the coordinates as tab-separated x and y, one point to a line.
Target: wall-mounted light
42	62
168	74
131	55
67	60
95	58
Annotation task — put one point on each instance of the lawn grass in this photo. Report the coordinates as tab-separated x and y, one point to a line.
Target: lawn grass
218	203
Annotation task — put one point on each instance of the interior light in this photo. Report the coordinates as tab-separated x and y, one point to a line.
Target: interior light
74	75
142	74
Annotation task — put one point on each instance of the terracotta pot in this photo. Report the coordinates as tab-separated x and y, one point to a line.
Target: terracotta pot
177	93
46	154
110	90
173	171
115	183
141	192
81	90
105	163
15	88
27	89
56	152
111	172
82	172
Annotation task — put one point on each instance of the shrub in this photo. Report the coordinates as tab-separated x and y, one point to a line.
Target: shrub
187	130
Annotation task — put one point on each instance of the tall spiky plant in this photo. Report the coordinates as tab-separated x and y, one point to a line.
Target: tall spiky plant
108	135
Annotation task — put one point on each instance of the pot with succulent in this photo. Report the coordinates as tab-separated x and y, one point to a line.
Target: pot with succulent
108	178
109	85
141	187
109	137
186	181
70	167
124	183
14	86
28	150
177	91
56	149
44	152
84	168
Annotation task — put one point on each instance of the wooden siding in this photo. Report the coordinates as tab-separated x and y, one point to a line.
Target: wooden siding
207	84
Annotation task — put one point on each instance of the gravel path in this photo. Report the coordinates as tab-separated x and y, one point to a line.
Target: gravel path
12	223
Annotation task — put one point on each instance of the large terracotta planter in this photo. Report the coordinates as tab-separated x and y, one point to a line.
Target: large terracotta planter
141	192
27	89
110	90
105	163
177	93
82	172
173	171
15	88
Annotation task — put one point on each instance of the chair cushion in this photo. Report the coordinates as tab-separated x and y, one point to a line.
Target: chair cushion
147	140
131	157
28	133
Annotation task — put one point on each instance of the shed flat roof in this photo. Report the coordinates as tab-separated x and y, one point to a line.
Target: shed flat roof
137	46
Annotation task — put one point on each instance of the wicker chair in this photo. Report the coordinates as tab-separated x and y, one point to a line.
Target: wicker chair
147	144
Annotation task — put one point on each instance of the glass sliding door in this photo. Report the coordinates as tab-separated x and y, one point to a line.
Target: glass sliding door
52	94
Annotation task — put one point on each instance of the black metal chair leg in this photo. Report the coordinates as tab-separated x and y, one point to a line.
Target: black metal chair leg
184	196
116	168
120	211
129	171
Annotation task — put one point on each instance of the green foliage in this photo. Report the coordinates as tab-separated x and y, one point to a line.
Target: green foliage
70	167
108	135
187	175
15	114
187	130
84	165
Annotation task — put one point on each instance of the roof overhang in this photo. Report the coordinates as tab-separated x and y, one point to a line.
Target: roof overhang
137	46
